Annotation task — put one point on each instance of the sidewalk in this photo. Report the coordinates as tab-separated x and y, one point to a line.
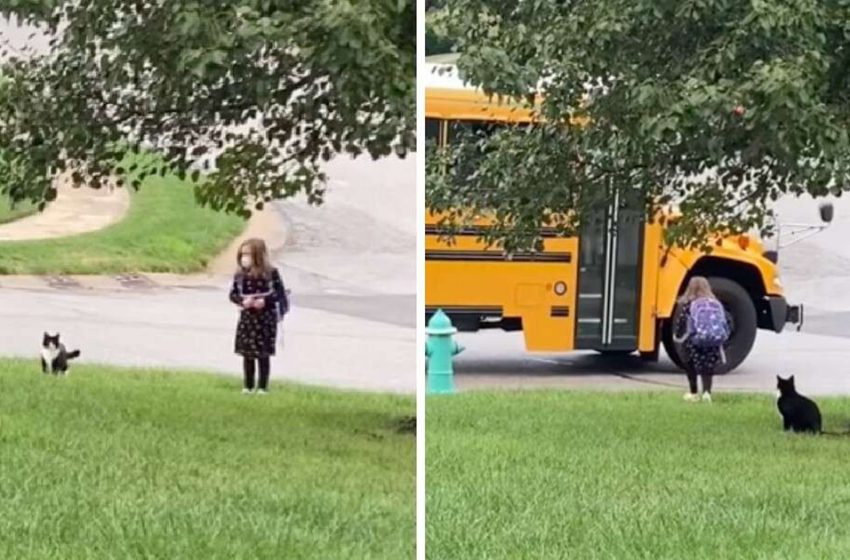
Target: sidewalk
74	211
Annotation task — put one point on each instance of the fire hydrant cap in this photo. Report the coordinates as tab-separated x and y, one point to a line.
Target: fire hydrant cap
440	324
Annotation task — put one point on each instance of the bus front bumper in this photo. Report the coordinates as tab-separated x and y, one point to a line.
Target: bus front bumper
779	313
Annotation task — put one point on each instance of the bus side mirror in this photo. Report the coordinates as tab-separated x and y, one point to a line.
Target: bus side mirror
826	212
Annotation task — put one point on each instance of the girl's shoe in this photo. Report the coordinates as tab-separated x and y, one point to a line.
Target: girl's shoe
691	397
246	391
706	397
262	392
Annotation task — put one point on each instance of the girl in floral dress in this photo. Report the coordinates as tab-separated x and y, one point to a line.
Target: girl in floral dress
258	290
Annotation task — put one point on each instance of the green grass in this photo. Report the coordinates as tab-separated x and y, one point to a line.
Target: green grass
164	231
634	475
111	463
9	214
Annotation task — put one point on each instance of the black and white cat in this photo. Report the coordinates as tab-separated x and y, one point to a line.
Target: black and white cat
799	414
54	355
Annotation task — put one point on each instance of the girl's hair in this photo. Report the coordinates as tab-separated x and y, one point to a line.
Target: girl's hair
259	256
698	287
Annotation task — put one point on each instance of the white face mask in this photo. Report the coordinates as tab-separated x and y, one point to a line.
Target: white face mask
246	261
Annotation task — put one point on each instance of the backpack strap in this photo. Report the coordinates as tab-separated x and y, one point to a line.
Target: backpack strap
238	285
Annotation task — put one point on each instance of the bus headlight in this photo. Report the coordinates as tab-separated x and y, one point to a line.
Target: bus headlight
560	288
777	282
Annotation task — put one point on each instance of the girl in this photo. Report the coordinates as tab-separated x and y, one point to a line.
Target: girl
701	359
258	290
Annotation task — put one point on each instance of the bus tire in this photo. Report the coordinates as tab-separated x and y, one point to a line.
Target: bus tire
672	349
744	321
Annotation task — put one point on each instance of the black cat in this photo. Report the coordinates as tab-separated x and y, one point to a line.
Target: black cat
54	356
799	413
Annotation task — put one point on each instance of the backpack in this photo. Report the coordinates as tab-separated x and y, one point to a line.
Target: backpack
707	325
282	307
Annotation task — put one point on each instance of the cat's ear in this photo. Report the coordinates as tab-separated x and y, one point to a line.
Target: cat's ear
791	379
779	378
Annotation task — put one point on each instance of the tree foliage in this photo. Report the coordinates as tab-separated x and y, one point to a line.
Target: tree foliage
258	91
716	106
437	40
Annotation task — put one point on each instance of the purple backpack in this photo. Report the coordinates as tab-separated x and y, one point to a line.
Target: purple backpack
707	325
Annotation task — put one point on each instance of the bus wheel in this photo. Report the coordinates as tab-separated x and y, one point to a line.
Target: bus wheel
741	314
673	350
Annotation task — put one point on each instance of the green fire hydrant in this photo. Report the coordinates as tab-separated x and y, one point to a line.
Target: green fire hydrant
440	348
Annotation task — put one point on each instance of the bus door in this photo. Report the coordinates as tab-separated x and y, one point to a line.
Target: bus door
610	251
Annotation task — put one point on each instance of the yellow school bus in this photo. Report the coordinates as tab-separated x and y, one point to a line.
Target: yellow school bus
612	289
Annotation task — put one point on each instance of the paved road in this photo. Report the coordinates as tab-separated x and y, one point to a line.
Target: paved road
350	264
815	271
497	360
185	328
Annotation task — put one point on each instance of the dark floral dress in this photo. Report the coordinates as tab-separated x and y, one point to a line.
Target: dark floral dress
256	332
701	361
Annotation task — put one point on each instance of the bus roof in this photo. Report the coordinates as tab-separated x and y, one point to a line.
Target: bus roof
448	96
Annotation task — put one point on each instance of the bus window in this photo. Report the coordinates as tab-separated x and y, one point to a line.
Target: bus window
432	132
471	129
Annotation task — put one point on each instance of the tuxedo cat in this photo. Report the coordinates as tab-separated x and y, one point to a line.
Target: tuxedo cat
54	356
799	413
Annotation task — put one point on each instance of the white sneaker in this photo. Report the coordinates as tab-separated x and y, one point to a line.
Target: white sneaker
246	391
691	397
706	397
262	392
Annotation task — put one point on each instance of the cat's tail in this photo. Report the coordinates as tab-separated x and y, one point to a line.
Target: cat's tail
74	354
842	434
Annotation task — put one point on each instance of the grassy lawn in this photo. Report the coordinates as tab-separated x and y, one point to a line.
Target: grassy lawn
111	463
8	214
164	231
632	475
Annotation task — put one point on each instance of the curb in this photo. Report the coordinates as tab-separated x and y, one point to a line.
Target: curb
117	283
